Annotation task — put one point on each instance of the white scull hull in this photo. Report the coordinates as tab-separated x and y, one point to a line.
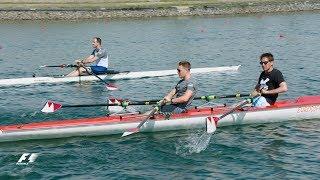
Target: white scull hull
121	75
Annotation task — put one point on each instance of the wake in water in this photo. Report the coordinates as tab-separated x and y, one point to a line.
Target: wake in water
32	114
194	143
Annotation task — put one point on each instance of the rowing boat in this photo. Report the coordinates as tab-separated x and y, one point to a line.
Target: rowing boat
301	108
114	75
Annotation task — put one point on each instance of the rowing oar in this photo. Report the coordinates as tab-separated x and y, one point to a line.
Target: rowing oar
60	66
109	86
212	97
212	122
51	106
137	129
205	98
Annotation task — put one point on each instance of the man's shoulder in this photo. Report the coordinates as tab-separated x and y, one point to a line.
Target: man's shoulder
180	81
103	50
191	82
262	73
276	72
273	72
186	82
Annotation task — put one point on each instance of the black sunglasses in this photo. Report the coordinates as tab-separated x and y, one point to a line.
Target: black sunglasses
179	70
266	62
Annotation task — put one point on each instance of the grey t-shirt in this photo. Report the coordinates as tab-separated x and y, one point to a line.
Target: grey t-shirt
181	87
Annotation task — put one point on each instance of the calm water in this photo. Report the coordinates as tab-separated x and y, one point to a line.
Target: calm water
283	150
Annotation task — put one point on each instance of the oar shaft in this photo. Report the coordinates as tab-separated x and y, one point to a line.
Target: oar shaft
211	124
244	102
60	66
235	108
205	98
126	103
109	86
91	73
212	97
137	129
151	114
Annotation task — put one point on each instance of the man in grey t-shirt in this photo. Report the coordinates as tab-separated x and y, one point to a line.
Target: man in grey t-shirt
181	96
99	55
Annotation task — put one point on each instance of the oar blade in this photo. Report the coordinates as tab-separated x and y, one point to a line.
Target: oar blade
211	125
111	87
51	107
129	132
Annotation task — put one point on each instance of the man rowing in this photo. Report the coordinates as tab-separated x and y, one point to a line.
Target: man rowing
270	83
181	96
99	55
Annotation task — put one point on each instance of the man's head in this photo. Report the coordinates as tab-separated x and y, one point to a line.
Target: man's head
96	42
266	62
183	69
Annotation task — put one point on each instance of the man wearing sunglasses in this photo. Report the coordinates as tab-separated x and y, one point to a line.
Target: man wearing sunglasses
181	96
270	83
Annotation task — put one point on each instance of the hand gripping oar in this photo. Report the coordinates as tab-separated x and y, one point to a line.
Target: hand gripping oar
212	122
109	86
137	129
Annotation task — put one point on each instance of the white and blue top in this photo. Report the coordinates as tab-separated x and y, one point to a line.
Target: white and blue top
102	57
